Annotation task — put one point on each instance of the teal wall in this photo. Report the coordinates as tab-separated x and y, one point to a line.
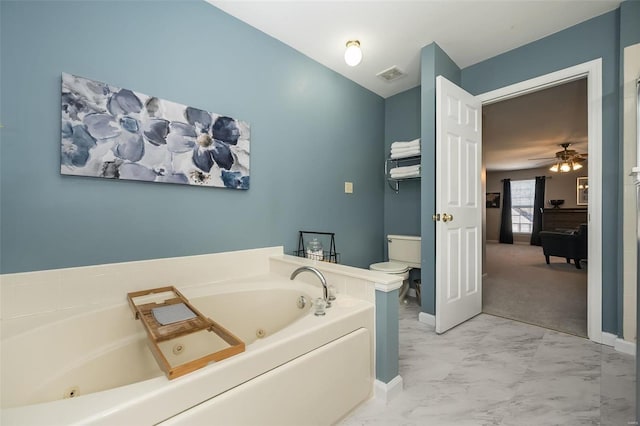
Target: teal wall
311	130
629	23
434	62
402	123
387	335
629	35
592	39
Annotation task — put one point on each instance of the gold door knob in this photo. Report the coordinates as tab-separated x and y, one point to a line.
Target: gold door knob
447	217
436	217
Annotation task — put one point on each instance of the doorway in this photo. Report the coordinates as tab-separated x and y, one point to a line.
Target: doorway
592	71
539	143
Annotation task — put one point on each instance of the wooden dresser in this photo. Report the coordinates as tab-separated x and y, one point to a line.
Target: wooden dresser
553	219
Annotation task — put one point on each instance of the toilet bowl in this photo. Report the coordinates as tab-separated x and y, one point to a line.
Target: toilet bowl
404	254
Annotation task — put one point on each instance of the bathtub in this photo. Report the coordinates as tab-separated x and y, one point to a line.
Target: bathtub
298	368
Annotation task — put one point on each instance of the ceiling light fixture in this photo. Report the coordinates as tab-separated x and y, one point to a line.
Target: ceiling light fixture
567	160
353	54
564	166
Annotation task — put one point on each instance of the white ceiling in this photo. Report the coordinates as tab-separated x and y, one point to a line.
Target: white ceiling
393	32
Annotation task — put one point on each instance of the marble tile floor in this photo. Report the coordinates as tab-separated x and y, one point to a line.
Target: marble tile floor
495	371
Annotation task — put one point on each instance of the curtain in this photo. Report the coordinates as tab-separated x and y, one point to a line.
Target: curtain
506	230
538	205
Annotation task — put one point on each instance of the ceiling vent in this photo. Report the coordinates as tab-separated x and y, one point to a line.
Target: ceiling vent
391	74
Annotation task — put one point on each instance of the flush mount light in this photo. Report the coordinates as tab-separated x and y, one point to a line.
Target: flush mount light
353	54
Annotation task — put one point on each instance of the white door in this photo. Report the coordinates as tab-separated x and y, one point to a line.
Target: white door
458	204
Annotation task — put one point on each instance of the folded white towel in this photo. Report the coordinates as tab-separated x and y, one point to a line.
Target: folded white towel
405	169
399	150
411	144
405	172
405	153
405	175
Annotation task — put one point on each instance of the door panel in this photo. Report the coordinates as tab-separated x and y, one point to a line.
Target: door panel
458	200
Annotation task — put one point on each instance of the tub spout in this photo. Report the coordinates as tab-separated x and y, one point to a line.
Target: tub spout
323	281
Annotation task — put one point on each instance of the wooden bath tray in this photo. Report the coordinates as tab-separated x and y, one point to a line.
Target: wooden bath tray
181	338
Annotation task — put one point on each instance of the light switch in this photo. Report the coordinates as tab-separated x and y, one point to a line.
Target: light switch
348	187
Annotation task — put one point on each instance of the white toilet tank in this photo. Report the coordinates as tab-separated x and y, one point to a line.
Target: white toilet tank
405	249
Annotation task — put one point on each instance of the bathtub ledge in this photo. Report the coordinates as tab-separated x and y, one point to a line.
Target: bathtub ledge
382	282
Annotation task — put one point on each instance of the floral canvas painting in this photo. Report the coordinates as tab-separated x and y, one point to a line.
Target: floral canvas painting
117	133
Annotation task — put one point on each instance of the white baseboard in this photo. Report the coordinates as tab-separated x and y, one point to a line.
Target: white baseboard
426	318
625	347
609	339
618	344
385	392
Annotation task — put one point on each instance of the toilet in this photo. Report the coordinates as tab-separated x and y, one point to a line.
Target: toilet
404	254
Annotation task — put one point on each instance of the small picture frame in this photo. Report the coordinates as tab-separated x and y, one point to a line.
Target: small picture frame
493	200
582	191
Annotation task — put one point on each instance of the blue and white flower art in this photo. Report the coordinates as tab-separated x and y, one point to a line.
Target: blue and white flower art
116	133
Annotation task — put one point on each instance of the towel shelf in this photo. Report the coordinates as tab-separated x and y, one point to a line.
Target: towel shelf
389	163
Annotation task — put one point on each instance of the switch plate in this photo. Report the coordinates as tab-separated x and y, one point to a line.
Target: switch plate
348	187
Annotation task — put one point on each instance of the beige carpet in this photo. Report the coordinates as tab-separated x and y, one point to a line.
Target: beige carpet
519	285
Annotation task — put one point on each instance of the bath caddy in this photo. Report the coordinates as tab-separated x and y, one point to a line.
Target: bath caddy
181	338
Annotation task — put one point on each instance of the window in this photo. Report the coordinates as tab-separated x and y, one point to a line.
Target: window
522	194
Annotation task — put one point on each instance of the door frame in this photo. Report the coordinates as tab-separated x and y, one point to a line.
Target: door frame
592	70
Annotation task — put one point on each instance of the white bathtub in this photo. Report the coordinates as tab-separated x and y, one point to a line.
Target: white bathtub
305	370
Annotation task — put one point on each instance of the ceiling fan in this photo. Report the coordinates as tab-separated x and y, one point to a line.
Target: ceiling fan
566	160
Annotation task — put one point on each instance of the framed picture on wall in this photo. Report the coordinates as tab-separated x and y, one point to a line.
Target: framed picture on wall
493	200
582	191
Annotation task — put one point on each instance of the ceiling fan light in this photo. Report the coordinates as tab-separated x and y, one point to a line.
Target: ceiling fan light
554	168
565	167
577	166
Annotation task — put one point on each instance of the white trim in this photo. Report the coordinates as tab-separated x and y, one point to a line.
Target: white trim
593	71
608	339
385	392
619	344
426	318
625	347
541	82
386	288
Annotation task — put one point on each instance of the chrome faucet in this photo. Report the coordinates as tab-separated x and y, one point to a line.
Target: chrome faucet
323	281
